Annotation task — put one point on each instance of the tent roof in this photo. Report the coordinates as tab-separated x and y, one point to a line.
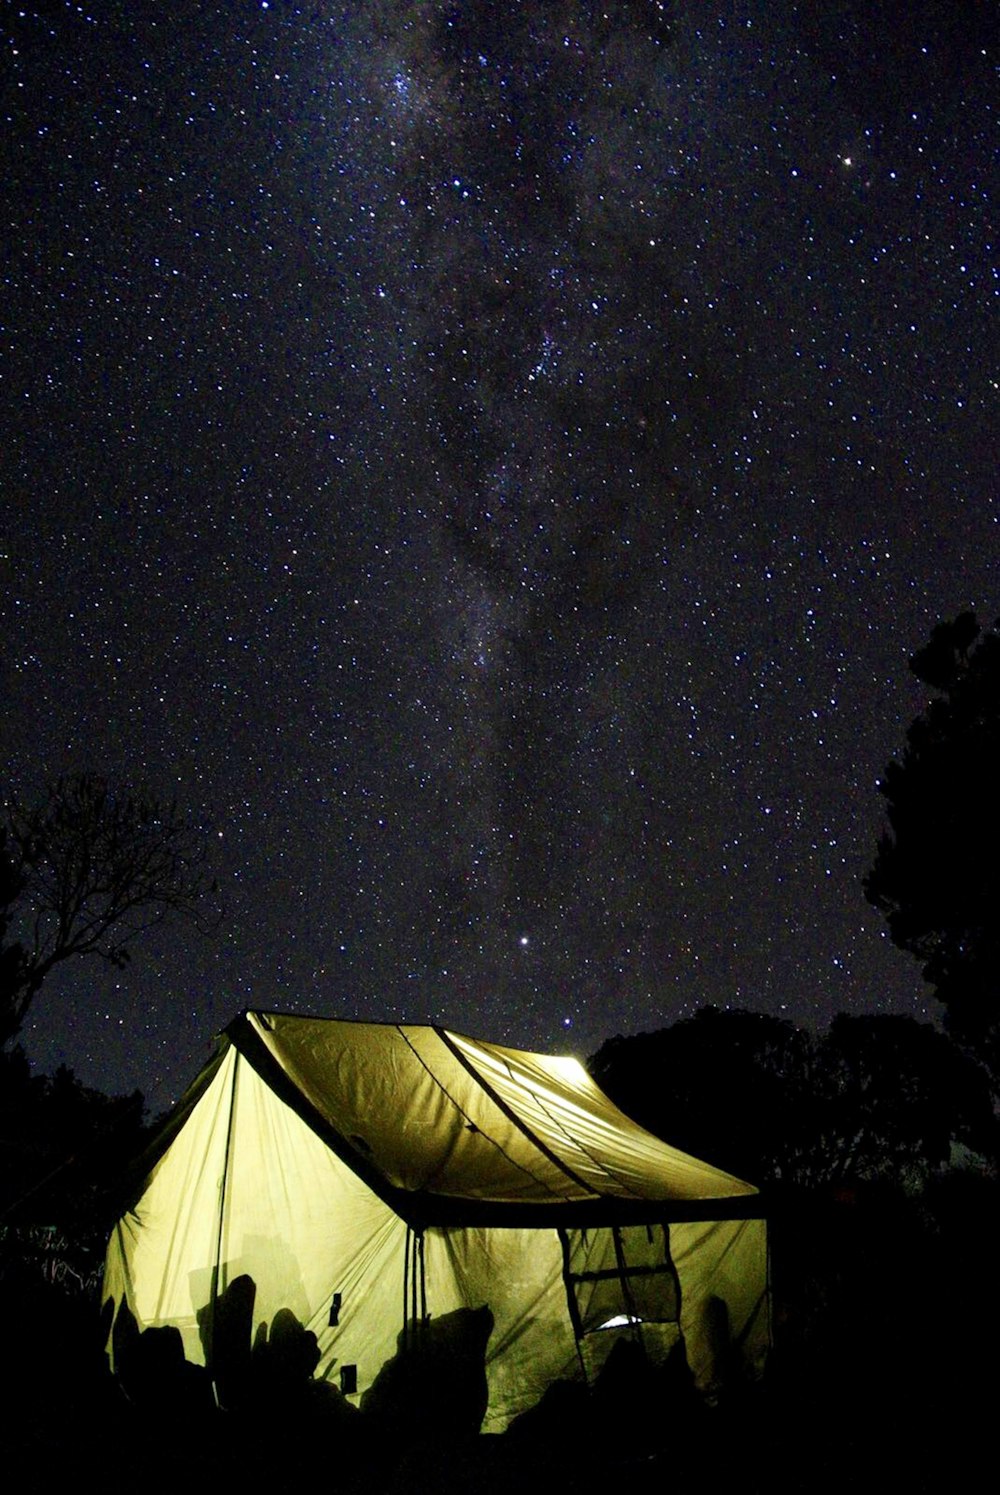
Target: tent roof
449	1128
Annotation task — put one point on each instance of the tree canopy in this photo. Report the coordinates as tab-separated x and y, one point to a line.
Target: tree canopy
936	874
83	872
64	1150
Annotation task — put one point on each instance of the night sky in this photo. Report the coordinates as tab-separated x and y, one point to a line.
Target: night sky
495	462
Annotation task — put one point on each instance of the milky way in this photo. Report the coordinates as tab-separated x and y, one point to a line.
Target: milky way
495	461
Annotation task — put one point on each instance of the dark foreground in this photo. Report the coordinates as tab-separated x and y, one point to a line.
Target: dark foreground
883	1374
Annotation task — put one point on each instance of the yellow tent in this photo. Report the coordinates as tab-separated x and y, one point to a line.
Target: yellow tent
368	1177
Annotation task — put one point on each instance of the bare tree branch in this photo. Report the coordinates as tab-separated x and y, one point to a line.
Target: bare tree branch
85	872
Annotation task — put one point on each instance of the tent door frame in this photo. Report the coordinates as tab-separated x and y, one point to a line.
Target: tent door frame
623	1273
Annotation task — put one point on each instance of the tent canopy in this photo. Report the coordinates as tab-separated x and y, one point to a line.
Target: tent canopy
431	1118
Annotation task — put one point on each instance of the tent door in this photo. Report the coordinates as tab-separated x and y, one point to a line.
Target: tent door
620	1282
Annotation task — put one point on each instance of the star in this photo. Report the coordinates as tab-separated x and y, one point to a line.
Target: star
475	476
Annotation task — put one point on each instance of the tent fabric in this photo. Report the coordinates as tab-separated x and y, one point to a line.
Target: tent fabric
365	1176
445	1115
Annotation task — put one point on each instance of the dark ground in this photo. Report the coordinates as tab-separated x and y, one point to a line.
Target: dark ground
883	1372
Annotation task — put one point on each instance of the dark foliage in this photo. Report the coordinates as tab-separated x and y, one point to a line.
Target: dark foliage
83	873
936	875
894	1097
63	1151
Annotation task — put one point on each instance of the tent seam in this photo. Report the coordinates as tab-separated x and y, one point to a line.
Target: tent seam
462	1112
513	1116
560	1126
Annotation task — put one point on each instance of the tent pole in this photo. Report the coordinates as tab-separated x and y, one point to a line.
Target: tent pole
222	1220
635	1322
406	1286
414	1284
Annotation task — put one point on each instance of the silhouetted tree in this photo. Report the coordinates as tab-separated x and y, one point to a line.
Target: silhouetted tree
893	1097
936	875
63	1151
82	873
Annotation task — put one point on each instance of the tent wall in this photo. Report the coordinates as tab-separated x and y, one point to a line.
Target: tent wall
161	1247
518	1275
248	1188
711	1294
725	1303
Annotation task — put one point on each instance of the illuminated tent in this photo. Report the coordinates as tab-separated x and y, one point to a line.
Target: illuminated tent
372	1178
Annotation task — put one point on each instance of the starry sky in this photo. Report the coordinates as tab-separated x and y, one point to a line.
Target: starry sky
493	462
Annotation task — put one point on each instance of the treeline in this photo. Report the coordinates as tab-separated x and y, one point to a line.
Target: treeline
64	1151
